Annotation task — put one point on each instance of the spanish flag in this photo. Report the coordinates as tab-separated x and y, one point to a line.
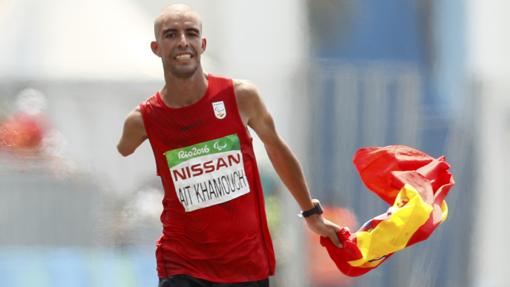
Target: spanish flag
414	185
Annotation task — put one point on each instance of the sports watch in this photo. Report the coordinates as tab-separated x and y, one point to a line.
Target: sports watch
317	209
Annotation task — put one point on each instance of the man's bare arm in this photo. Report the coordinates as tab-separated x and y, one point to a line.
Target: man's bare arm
255	114
133	133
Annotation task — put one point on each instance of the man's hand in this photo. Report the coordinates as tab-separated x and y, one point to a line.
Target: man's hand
324	227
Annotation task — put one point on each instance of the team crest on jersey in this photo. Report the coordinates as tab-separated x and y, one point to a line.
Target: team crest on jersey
219	110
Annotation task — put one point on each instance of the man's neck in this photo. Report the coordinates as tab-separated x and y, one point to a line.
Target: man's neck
179	92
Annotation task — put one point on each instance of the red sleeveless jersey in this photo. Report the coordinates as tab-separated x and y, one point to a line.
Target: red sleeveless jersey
214	221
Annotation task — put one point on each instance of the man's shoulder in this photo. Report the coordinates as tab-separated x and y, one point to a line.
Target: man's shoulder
248	98
245	88
241	86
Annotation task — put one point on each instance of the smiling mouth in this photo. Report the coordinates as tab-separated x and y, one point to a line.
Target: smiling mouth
183	57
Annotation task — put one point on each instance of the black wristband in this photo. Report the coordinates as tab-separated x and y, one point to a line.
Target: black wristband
317	209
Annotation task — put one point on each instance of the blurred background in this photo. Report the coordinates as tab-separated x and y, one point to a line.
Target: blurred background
336	75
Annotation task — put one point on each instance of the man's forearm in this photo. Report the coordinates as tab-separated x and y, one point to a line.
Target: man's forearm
290	172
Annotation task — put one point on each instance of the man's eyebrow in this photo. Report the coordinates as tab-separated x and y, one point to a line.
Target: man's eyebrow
169	30
196	30
193	30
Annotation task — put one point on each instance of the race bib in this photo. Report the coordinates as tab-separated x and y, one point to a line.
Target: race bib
208	173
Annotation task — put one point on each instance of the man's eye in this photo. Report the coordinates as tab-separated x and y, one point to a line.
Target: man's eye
170	35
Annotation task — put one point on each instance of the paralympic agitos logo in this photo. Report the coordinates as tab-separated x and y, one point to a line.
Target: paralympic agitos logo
218	146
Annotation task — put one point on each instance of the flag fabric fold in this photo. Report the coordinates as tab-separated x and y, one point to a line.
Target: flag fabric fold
415	185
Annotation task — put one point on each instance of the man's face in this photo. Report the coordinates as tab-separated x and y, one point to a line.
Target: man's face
179	43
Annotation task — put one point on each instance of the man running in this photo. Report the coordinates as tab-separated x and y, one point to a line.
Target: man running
214	223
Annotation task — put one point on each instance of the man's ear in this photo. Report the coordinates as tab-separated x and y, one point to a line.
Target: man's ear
204	44
155	48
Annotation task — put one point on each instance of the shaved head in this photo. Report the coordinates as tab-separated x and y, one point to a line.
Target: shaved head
175	11
179	42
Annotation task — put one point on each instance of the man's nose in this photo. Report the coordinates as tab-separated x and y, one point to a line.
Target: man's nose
183	40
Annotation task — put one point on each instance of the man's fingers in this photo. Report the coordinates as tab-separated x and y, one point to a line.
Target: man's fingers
334	238
325	228
333	229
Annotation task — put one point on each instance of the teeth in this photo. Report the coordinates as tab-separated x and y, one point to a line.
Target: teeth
183	57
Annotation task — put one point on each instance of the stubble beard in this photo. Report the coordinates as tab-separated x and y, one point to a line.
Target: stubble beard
184	72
